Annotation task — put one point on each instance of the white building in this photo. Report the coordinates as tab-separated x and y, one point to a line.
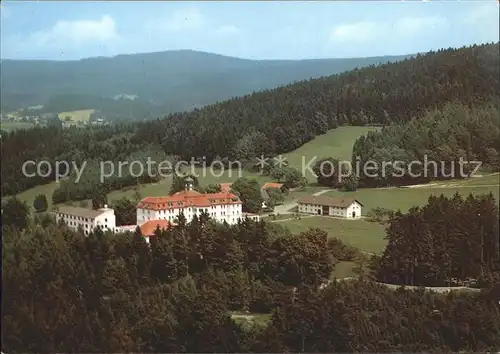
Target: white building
348	208
223	206
87	219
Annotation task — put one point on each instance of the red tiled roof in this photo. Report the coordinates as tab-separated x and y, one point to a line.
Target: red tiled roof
188	199
149	228
272	185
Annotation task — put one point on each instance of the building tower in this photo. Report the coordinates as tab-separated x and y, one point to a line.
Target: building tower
189	184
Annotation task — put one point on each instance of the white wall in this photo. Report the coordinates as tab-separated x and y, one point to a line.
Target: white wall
310	209
356	208
74	222
144	215
338	212
106	221
252	217
332	211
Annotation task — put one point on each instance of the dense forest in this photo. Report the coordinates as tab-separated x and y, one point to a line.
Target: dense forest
52	144
441	140
280	120
185	291
447	242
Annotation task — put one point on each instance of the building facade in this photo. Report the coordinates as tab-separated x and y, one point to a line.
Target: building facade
223	206
338	207
88	220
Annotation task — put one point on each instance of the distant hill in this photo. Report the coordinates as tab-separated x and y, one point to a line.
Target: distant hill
283	119
161	82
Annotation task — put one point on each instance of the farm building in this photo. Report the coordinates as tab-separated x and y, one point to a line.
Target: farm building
348	208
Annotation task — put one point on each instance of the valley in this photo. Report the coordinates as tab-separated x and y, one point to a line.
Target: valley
181	81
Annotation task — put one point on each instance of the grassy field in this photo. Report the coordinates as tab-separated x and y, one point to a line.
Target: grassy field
302	192
367	236
163	187
29	195
480	181
277	217
10	126
82	115
405	198
146	190
336	142
248	320
344	269
228	176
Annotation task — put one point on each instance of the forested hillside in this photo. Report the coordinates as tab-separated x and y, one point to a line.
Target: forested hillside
443	136
186	292
448	241
163	82
280	120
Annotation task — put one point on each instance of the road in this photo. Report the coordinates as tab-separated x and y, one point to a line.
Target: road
287	207
437	289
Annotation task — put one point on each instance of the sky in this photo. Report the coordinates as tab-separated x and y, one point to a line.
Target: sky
253	30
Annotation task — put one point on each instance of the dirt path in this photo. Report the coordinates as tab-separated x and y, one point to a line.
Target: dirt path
286	208
322	192
436	289
451	185
461	184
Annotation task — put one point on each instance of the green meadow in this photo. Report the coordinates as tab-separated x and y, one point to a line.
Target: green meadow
336	143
